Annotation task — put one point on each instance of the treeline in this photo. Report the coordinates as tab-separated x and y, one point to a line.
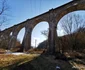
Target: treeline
72	42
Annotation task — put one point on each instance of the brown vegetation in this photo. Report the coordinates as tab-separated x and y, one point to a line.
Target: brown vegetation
36	51
72	42
8	61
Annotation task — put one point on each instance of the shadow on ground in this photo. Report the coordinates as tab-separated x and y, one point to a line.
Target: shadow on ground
44	62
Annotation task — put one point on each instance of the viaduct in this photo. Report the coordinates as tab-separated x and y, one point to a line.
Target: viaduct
52	17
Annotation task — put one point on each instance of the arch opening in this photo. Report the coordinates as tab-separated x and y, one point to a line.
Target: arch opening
11	33
39	35
75	19
71	32
19	40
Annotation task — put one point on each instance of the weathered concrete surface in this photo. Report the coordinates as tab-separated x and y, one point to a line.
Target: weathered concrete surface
52	17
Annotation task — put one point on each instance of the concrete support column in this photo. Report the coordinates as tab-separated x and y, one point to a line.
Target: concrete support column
22	47
12	42
27	39
7	37
52	38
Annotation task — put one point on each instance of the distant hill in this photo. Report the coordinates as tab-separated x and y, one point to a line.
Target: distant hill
42	45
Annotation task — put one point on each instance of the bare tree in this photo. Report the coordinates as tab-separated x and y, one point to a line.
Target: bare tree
71	22
3	11
45	33
4	8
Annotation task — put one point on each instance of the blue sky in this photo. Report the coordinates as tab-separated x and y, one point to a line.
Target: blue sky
21	10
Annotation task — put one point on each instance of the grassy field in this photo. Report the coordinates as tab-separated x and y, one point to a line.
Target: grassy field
38	62
31	62
8	61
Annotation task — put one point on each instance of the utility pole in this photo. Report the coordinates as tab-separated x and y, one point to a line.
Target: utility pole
35	42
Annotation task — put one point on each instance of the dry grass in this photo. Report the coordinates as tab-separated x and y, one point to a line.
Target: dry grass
14	62
7	60
78	60
2	51
36	51
34	62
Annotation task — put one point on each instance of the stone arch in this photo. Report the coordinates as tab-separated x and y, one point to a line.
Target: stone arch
20	37
5	38
70	8
11	34
73	29
36	22
6	34
21	32
27	38
15	31
77	13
